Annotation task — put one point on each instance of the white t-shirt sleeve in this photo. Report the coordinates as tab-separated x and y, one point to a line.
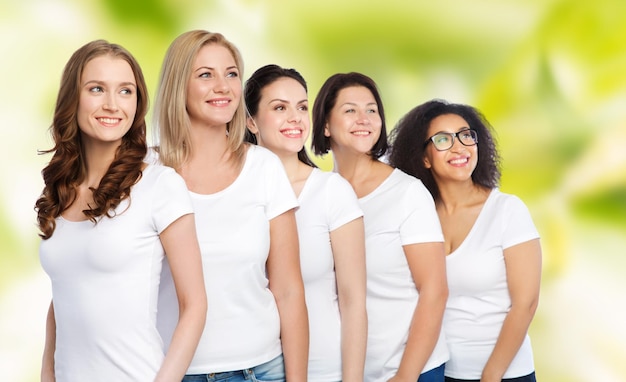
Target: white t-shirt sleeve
280	195
170	200
343	206
421	224
519	226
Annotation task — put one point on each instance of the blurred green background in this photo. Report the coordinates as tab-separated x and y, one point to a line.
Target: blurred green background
550	76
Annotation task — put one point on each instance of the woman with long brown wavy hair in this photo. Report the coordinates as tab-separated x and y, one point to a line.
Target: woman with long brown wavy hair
106	220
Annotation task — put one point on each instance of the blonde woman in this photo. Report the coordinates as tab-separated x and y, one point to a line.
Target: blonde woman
256	323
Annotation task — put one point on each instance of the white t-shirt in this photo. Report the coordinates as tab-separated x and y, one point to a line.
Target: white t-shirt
399	212
327	202
105	281
243	326
479	297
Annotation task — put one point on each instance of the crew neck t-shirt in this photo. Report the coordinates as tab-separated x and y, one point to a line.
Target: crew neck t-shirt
242	327
327	202
399	212
105	281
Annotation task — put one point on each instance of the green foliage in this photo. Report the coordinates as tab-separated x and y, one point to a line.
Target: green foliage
606	207
154	15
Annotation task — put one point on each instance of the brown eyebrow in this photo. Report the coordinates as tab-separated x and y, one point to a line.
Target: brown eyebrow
354	104
285	101
97	82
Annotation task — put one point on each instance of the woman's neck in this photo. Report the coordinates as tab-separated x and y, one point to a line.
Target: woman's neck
98	159
457	195
353	167
209	146
211	166
297	172
363	172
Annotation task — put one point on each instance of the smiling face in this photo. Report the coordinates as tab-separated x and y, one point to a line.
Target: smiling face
457	163
108	100
354	122
281	123
214	88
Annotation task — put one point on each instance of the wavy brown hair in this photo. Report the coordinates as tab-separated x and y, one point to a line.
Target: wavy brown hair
66	170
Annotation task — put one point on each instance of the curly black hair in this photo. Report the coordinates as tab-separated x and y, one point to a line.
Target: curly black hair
410	134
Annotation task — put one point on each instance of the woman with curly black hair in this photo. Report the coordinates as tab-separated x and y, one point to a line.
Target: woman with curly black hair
493	252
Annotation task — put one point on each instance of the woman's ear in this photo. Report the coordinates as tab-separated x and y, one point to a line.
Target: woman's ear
326	130
427	162
251	125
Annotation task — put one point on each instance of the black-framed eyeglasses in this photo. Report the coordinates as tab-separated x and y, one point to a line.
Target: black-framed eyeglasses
444	141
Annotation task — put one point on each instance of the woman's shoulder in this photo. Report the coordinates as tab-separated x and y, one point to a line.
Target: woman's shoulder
505	204
259	152
333	182
320	175
404	189
502	199
400	180
157	169
155	173
260	159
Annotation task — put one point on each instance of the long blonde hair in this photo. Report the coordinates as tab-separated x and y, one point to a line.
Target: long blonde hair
170	112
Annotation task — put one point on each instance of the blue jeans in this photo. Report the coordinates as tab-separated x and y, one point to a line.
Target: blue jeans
272	371
433	375
527	378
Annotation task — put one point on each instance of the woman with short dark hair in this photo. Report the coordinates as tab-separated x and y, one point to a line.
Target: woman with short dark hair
405	263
